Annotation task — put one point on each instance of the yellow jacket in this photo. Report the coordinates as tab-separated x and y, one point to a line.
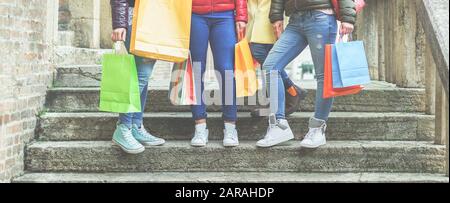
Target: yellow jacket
259	28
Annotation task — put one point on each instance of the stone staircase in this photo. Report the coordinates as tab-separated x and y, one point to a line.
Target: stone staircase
381	135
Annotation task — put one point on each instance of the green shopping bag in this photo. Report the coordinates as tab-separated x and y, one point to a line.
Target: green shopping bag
119	92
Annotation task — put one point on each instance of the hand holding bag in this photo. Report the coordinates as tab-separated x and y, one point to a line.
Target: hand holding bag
119	91
350	66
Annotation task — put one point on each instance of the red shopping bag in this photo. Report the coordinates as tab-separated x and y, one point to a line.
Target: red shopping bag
328	90
182	89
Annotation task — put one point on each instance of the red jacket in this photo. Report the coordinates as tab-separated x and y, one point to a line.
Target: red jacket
208	6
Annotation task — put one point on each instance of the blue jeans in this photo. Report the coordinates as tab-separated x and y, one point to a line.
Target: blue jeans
260	53
313	28
219	30
144	71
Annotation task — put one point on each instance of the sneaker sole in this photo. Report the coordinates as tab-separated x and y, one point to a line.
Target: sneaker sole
129	151
230	145
198	145
153	144
276	143
311	146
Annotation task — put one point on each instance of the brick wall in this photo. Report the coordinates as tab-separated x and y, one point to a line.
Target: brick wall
25	74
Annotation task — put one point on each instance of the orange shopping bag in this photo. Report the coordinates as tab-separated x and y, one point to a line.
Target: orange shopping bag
161	29
328	90
245	69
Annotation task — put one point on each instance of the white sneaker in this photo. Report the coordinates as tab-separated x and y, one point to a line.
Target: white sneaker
316	136
277	133
230	138
200	137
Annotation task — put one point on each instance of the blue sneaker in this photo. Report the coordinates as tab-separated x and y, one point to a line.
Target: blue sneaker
145	138
124	139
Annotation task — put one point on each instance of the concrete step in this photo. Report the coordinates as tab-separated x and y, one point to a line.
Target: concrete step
90	75
341	126
373	99
68	55
230	177
179	156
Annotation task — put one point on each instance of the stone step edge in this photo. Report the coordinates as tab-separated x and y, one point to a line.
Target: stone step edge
231	177
166	87
243	145
188	115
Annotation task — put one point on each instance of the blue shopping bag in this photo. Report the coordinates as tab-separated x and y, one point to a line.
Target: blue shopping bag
350	66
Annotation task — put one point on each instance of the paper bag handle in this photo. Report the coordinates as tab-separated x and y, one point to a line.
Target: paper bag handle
120	48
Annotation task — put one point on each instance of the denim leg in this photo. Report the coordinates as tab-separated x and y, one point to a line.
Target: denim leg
287	48
320	29
223	41
199	50
144	70
260	53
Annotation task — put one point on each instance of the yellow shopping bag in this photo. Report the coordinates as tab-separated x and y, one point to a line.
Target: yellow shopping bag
161	29
245	70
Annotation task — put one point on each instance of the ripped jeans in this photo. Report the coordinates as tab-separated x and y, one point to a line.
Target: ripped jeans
313	28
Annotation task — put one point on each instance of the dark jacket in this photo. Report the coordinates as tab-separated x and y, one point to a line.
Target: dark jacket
120	12
280	7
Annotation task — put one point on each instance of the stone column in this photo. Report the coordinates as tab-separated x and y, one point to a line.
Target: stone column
85	22
408	72
366	28
105	24
388	17
379	16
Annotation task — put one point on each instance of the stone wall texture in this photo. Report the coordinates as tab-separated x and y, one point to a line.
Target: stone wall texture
25	74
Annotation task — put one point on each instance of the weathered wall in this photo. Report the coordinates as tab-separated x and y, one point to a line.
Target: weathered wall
395	41
26	39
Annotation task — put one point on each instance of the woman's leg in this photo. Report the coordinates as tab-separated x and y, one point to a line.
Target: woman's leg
287	48
144	70
260	53
223	40
199	49
320	29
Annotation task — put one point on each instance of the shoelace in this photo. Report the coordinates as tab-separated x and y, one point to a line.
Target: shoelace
274	123
129	137
313	131
144	132
231	135
201	136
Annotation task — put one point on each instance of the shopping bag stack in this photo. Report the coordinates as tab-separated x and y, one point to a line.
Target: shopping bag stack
183	88
119	92
161	29
346	69
245	69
